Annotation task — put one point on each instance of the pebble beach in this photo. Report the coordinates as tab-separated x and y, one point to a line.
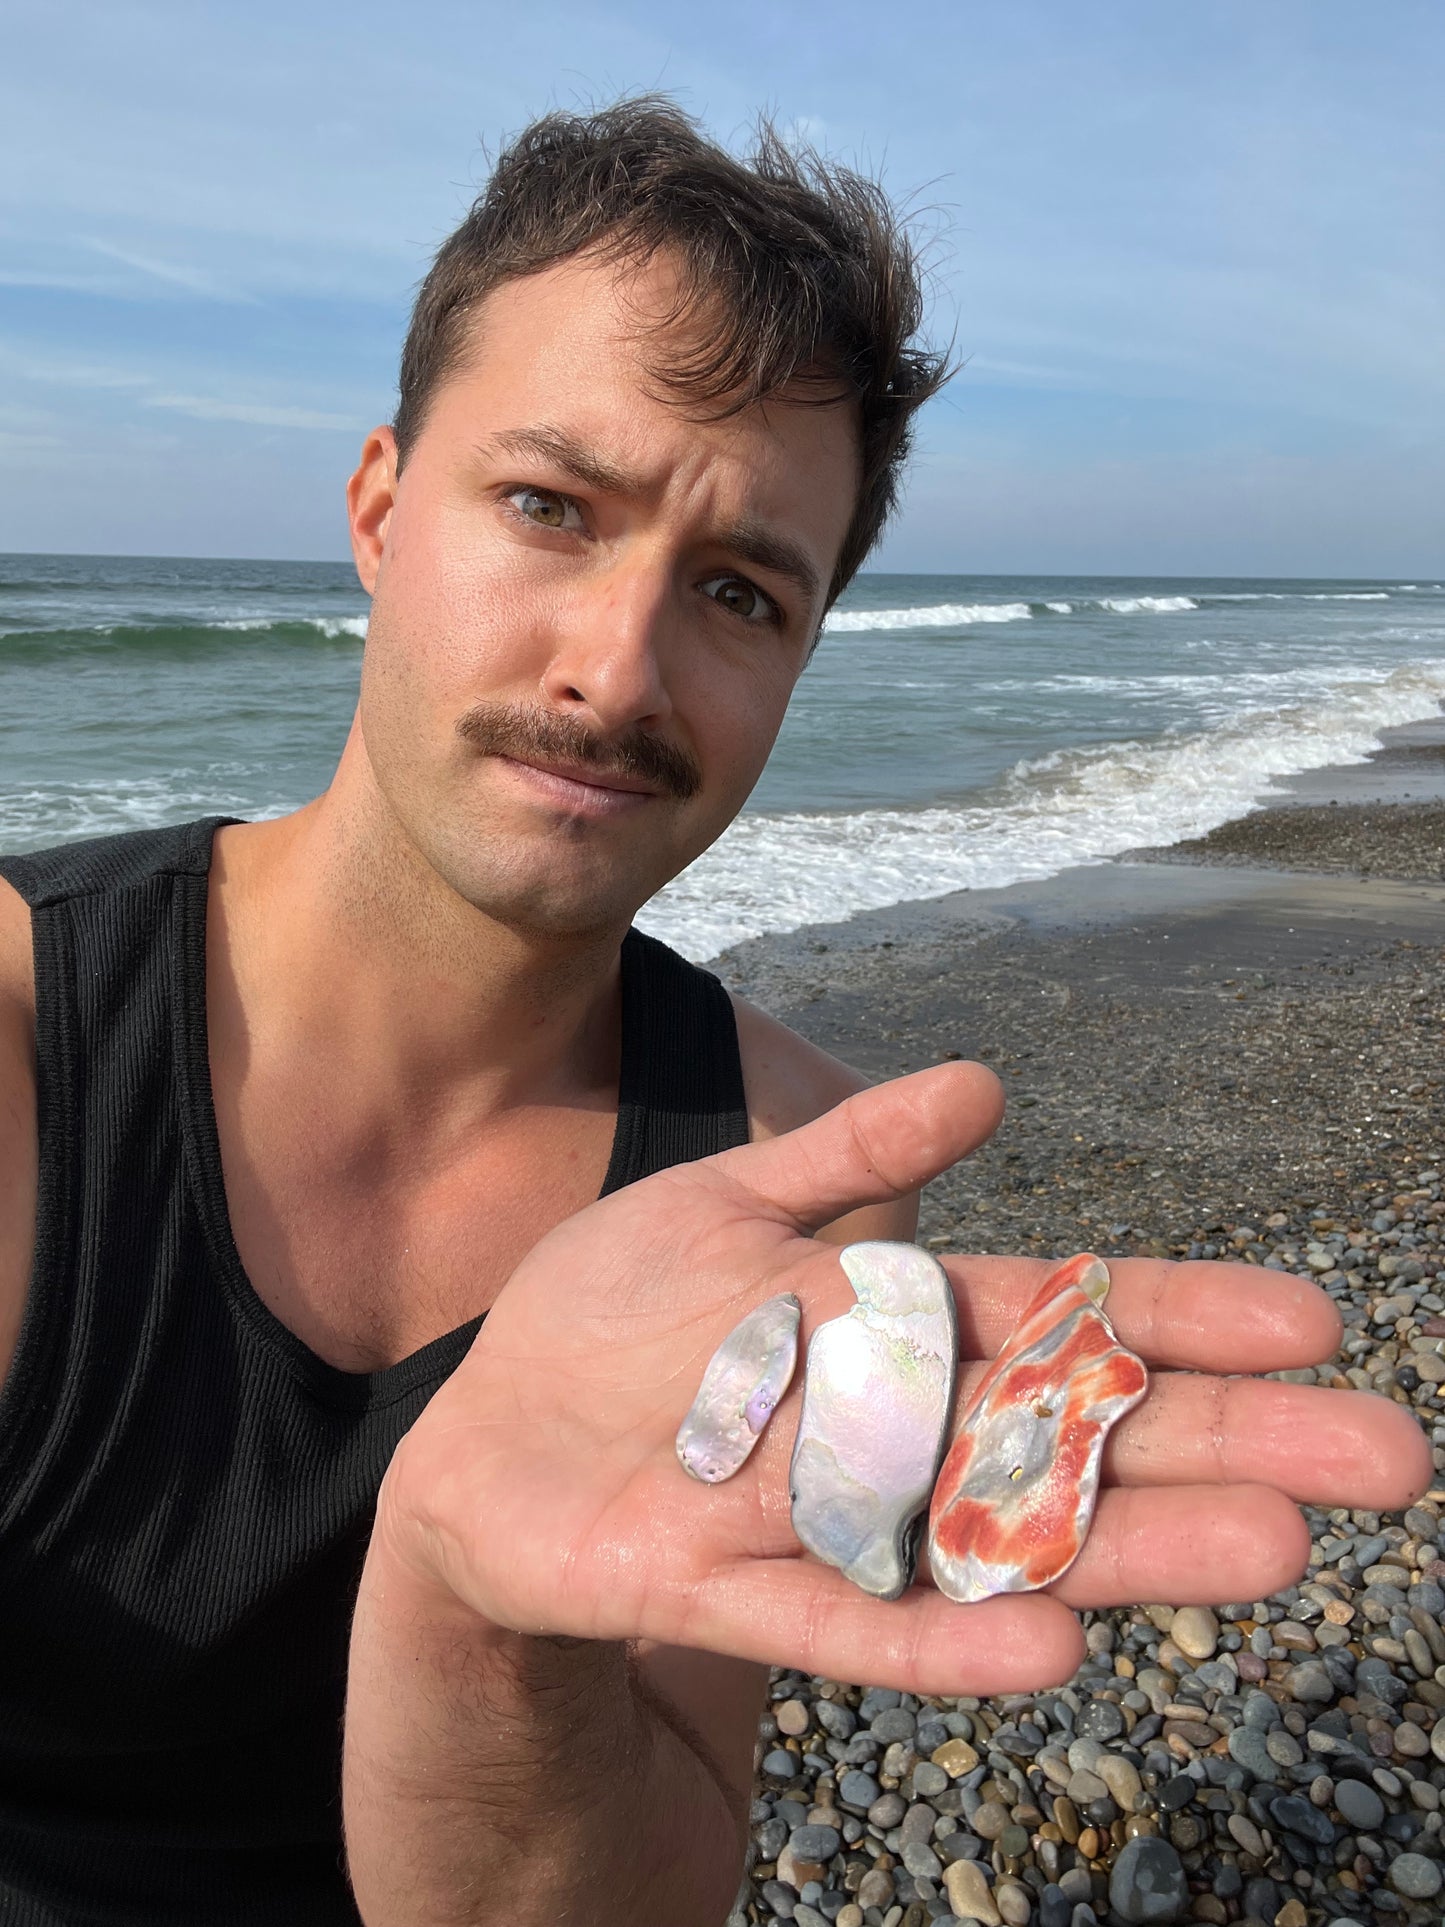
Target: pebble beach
1230	1050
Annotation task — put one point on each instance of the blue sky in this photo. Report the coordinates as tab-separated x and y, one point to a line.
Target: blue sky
1194	256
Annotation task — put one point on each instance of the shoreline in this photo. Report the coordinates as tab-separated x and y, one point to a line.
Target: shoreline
1225	1049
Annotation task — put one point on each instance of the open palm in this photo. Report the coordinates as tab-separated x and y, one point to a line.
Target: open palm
541	1486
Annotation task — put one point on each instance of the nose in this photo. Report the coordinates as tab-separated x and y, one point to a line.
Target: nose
608	664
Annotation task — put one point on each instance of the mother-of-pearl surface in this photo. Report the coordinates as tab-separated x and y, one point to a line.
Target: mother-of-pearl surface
1016	1494
877	1394
745	1378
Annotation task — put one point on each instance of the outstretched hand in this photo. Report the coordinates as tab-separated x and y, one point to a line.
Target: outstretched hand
541	1488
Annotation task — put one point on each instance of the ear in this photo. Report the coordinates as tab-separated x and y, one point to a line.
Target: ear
370	497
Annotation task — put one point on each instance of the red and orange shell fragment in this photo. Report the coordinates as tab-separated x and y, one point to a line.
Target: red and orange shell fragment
1012	1505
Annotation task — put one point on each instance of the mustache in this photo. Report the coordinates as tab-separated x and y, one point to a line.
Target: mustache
536	734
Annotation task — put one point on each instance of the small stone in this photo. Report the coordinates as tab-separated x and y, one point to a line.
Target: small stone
798	1870
1121	1777
1243	1829
887	1810
1055	1907
1283	1748
1298	1816
793	1717
928	1779
780	1764
1292	1914
968	1892
1359	1805
894	1723
921	1861
989	1820
1410	1742
1309	1683
1084	1787
875	1889
1250	1749
956	1757
856	1789
815	1843
1437	1740
1412	1875
1013	1903
1195	1631
849	1916
1099	1720
1148	1882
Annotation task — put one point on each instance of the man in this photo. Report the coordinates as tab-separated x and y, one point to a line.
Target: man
284	1109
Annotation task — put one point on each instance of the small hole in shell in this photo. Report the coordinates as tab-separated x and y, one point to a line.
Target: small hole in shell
1043	1411
1017	1472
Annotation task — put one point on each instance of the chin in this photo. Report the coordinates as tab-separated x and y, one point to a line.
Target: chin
560	902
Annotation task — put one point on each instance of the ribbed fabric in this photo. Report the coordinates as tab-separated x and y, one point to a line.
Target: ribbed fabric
186	1490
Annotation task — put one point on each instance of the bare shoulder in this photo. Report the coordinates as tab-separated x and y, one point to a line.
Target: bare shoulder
789	1082
788	1079
17	1116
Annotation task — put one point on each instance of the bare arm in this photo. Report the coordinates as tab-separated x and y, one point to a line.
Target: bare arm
789	1082
490	1775
17	1118
496	1777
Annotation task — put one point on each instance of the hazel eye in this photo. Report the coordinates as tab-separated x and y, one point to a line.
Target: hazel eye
546	508
740	598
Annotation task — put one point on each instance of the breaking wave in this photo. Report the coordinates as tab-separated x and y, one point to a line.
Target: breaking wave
778	872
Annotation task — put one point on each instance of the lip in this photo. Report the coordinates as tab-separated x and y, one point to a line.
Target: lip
578	790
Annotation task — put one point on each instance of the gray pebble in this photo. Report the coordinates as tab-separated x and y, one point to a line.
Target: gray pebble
1310	1683
837	1721
1147	1882
1417	1878
780	1764
856	1789
929	1779
1099	1720
893	1723
1250	1748
815	1843
1298	1816
1360	1806
921	1861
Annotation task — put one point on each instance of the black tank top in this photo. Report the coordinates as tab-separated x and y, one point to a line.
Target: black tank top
186	1490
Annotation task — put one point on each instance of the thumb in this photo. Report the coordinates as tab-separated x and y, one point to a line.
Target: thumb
872	1147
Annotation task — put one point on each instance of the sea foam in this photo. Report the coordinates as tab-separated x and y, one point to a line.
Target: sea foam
774	872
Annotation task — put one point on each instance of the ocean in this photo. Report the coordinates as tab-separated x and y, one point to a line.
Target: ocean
951	732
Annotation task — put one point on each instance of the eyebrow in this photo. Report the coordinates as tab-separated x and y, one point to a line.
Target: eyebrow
749	540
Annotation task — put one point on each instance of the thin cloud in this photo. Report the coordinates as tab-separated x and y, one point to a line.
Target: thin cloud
206	408
193	280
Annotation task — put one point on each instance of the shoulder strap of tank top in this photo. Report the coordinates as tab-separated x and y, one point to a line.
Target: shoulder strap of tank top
681	1088
48	877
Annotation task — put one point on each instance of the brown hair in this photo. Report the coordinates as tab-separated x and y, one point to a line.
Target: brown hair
799	269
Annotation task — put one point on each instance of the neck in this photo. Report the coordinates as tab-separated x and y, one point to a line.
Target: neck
339	938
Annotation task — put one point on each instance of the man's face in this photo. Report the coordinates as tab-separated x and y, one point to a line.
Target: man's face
589	610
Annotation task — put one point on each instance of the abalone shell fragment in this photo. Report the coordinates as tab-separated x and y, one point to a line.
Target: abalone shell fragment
877	1394
745	1378
1013	1502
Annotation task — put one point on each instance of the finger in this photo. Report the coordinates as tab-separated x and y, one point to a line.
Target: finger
1204	1316
873	1147
1194	1546
798	1613
1321	1447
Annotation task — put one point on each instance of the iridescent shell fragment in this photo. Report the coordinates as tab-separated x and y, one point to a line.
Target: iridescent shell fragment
745	1378
1016	1494
876	1399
